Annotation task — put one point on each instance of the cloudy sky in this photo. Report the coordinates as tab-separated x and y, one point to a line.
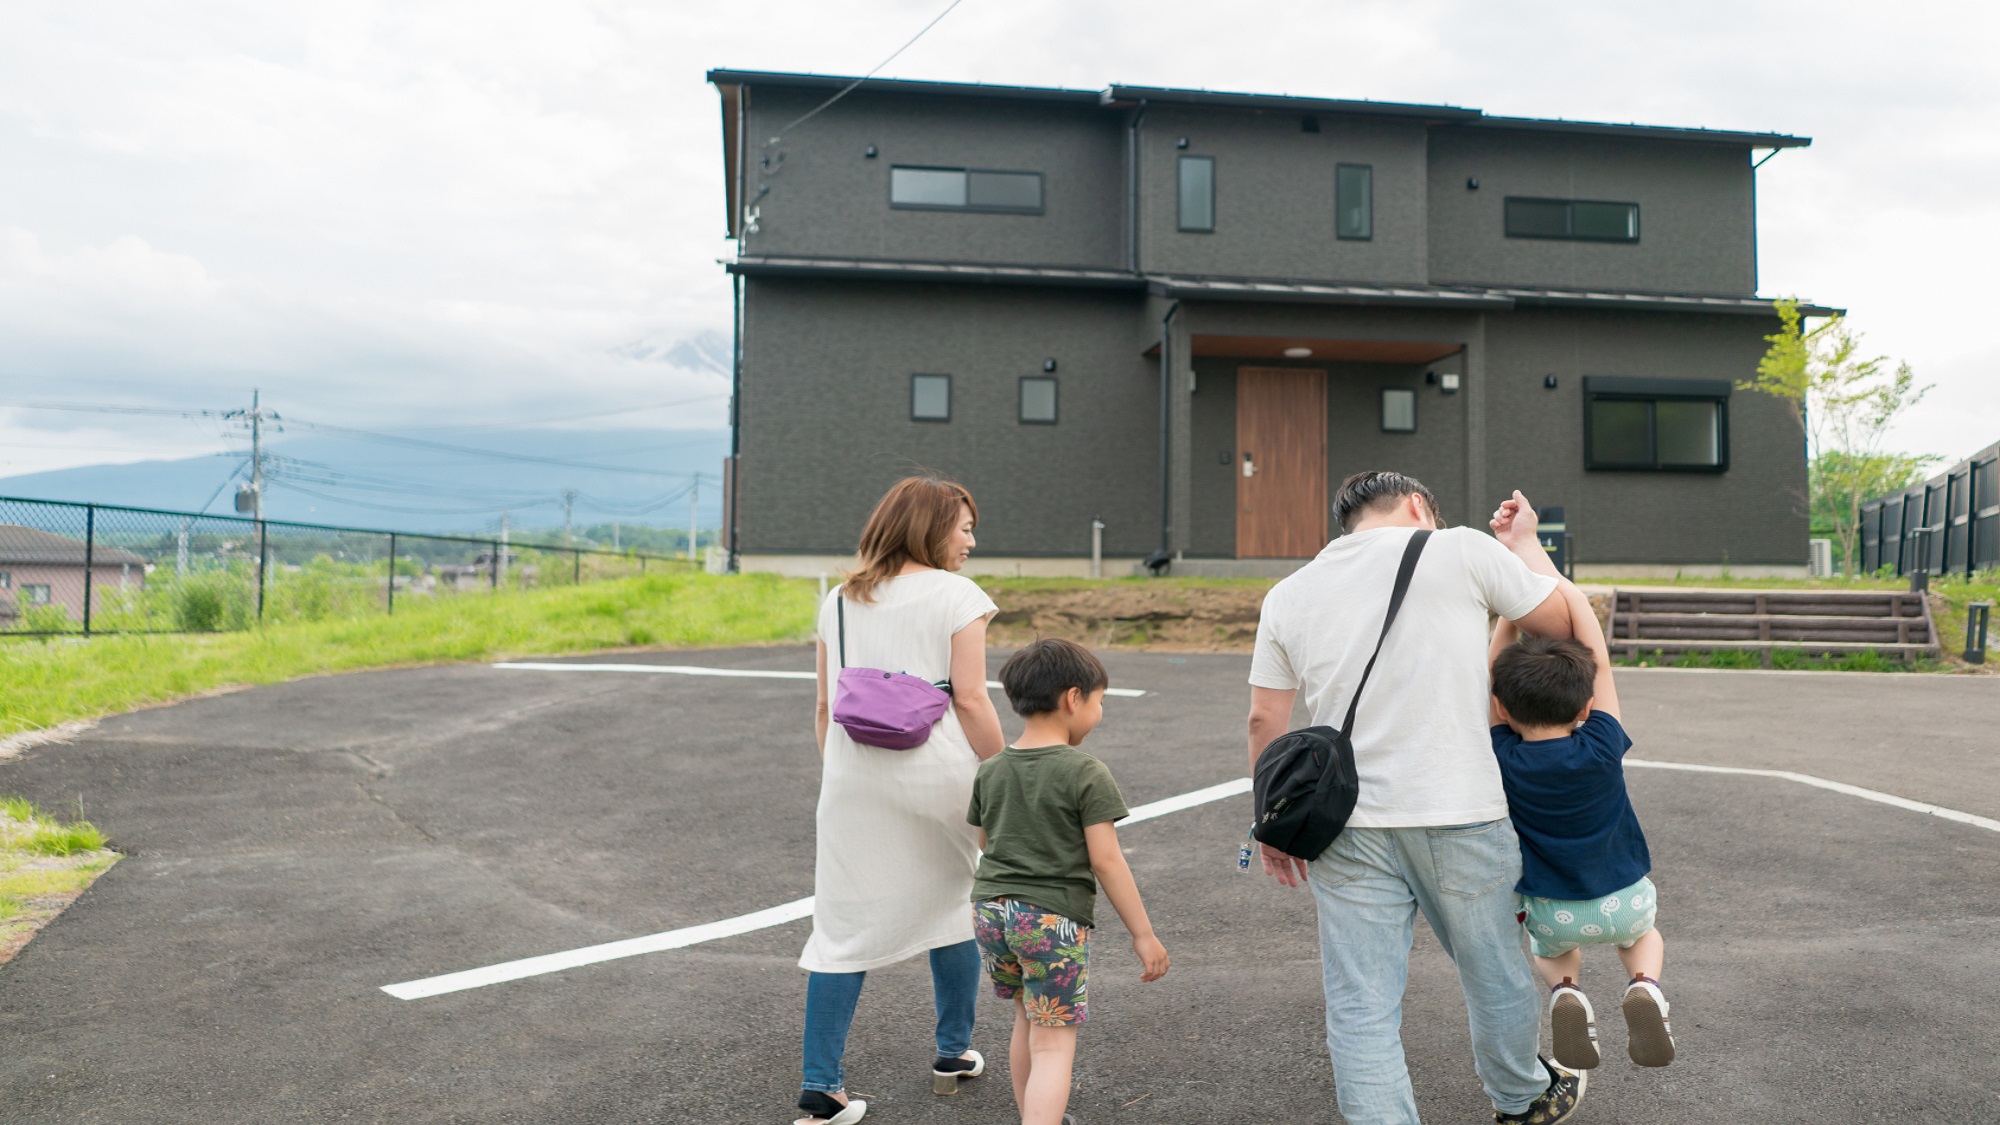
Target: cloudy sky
440	211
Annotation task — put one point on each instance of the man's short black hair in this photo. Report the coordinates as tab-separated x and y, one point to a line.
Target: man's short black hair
1378	491
1037	676
1544	682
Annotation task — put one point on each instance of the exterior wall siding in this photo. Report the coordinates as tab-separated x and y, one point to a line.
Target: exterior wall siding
826	413
829	199
1696	227
1753	514
1274	196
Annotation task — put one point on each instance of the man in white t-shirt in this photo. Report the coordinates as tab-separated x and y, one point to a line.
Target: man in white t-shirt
1430	830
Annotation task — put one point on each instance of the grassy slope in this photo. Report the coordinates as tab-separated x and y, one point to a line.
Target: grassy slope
45	682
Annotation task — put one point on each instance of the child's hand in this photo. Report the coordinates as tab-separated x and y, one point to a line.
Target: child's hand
1152	956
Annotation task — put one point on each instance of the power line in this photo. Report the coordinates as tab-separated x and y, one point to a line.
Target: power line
845	90
471	451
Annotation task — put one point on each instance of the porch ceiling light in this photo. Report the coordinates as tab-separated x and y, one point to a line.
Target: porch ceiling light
1297	353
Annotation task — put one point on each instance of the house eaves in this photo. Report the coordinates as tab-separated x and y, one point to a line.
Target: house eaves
967	272
1640	132
1162	95
29	546
831	84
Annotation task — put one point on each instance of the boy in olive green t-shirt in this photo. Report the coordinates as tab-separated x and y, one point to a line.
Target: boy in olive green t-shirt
1045	812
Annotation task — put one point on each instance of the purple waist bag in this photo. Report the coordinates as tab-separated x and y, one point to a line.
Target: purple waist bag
891	710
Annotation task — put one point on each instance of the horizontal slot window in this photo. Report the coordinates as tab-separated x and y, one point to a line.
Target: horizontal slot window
1581	220
1688	433
962	189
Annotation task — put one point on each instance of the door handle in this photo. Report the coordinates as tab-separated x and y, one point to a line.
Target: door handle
1249	466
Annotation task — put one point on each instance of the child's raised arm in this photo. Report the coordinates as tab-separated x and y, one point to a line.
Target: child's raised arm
1590	634
1107	859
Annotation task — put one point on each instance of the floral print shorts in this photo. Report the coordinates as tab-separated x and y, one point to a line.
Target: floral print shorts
1029	950
1556	926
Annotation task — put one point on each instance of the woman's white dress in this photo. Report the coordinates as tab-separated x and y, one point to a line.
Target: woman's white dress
896	857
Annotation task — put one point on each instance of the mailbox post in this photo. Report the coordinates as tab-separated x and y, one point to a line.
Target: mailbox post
1553	531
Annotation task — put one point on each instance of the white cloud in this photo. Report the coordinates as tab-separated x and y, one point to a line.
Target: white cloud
389	212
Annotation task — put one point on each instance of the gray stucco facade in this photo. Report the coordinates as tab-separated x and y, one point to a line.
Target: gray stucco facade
845	293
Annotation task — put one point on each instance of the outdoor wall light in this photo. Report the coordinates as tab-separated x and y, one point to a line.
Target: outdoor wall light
1180	142
869	152
1431	377
1448	383
1472	183
1049	364
1549	381
1298	353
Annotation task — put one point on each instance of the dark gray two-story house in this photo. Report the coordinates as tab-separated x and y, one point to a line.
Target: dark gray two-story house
1189	314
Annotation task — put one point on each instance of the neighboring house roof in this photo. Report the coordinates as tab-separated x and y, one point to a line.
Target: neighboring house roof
28	546
1494	298
1117	96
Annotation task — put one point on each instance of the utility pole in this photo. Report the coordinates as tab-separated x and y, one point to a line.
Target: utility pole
251	500
694	493
500	564
569	503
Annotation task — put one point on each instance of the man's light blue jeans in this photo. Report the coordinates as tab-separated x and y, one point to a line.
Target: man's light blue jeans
1369	886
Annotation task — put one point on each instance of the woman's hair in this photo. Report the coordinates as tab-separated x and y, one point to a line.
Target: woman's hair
912	524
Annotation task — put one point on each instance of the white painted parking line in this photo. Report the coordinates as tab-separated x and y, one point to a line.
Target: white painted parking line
742	673
1836	786
728	927
802	908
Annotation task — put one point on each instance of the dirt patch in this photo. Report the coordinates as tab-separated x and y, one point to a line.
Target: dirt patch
1135	615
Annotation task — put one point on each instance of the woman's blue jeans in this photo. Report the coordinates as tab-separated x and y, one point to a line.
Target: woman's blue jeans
831	997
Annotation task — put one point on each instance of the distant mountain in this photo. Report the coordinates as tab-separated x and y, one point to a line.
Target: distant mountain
437	481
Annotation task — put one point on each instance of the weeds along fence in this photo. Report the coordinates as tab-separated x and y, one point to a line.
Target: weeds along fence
69	568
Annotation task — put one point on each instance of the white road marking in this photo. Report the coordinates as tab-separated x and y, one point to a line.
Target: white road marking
743	673
802	908
728	927
1836	786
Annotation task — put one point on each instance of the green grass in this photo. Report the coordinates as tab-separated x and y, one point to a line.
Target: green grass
41	858
1788	659
55	680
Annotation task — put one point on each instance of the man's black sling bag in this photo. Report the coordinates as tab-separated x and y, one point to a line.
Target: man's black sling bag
1306	785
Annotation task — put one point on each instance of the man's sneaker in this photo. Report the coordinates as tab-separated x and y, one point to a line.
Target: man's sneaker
1649	1037
1573	1027
1558	1103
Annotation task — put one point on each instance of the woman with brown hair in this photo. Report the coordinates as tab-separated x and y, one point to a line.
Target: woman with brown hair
896	857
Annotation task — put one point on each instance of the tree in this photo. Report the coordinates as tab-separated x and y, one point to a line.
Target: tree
1843	404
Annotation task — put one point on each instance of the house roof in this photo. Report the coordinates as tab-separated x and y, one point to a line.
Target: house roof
1491	298
1120	96
28	546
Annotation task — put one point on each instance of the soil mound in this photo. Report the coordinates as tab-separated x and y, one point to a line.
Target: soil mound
1140	614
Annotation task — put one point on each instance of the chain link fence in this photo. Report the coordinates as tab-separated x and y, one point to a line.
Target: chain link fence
101	568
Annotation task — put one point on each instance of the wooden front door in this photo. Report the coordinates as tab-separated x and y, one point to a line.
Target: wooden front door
1280	462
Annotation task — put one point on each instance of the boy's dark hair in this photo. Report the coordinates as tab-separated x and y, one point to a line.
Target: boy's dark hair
1544	682
1037	676
1378	491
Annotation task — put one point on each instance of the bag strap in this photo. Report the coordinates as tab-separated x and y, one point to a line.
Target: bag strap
840	615
1403	573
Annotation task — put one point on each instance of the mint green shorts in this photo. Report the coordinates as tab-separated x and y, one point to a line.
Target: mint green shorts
1620	918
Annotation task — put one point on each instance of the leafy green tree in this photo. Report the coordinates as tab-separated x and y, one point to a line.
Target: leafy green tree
1844	404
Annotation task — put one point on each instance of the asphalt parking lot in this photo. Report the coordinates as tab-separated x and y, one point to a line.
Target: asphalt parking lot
292	849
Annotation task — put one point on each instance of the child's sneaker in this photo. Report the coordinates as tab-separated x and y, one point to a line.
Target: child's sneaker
1649	1037
1573	1027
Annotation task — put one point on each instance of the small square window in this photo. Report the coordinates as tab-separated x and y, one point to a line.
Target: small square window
1399	410
930	398
6	579
1197	193
32	594
1038	400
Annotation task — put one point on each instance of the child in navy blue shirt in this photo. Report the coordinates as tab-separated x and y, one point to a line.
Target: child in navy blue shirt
1583	858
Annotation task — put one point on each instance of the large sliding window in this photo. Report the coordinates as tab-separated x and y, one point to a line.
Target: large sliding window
1579	220
1354	201
1669	425
965	189
1197	193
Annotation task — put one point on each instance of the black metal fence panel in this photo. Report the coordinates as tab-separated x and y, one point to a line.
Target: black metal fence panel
100	568
1949	524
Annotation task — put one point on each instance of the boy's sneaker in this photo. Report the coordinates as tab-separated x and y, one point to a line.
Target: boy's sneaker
1558	1103
1649	1037
1573	1027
